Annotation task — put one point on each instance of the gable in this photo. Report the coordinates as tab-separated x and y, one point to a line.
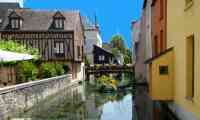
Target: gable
58	15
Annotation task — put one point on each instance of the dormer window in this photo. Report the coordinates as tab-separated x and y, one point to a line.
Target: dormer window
59	20
16	23
15	20
59	23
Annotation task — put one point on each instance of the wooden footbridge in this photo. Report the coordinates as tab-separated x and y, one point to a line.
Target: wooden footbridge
106	69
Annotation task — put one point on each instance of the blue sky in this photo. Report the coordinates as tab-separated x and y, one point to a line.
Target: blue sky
114	16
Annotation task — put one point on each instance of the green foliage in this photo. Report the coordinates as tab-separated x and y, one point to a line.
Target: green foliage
59	69
87	62
28	71
115	51
128	56
12	46
66	69
48	70
117	42
118	46
105	82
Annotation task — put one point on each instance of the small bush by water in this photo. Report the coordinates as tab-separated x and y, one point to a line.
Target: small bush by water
106	83
51	70
28	71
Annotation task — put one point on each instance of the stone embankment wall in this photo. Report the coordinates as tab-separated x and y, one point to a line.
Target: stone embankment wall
20	98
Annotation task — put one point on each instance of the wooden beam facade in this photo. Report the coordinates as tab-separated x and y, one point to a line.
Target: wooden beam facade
44	41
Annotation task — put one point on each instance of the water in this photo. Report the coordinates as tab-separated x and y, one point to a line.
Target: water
81	102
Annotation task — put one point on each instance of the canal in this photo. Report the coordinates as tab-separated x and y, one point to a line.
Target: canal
83	102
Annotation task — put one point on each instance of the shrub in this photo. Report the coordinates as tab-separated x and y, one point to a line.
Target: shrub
59	69
66	68
48	70
28	71
106	82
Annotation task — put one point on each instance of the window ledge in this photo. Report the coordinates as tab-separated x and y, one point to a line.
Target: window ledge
188	5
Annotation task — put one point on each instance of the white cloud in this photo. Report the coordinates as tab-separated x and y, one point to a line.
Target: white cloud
21	2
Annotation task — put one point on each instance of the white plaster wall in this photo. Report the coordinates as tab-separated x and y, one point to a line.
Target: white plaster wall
92	38
148	42
81	71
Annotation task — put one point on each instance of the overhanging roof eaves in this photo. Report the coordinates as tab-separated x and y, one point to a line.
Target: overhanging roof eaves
157	56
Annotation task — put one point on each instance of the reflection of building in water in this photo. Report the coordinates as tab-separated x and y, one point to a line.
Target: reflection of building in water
91	107
85	104
78	96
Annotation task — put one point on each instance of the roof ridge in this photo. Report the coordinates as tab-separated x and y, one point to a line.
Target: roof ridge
51	10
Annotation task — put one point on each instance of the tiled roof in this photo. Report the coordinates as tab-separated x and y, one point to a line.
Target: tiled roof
157	56
34	20
102	49
4	7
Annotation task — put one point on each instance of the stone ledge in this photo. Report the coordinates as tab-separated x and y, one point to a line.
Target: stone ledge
30	84
19	98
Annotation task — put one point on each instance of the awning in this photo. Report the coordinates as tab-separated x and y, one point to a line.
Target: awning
6	56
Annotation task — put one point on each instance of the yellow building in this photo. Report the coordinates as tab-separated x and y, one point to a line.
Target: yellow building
183	33
179	87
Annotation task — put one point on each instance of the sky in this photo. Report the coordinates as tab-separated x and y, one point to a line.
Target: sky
114	16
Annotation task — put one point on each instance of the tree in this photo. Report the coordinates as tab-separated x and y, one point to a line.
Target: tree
115	51
118	46
128	56
117	41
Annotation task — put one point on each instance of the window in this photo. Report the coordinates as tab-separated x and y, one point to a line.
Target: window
161	41
155	45
16	23
101	58
163	70
59	20
79	51
161	9
59	23
187	2
59	48
190	66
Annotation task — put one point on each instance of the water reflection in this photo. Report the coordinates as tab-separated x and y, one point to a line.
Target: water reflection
81	102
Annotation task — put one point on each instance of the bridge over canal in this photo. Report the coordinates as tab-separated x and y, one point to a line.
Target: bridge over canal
108	69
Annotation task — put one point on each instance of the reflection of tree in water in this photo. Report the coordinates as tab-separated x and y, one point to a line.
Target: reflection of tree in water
102	98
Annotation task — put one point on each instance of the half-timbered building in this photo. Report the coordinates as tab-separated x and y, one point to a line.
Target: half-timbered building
58	35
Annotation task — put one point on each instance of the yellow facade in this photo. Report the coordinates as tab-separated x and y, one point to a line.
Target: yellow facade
162	86
183	20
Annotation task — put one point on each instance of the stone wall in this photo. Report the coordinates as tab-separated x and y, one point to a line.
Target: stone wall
20	98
